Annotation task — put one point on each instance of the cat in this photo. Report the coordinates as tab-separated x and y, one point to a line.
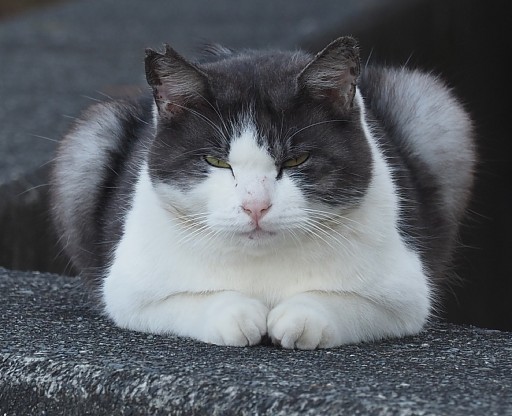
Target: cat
268	194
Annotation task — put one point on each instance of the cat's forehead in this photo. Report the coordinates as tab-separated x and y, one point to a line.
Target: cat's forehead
257	92
268	78
248	150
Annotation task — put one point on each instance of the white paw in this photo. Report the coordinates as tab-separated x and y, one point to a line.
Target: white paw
301	323
236	320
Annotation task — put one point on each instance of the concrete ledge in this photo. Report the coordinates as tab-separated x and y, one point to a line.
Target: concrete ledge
58	356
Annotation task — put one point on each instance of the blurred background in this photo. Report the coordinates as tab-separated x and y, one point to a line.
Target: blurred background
57	57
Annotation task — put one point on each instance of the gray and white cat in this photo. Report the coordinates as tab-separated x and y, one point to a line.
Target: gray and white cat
268	193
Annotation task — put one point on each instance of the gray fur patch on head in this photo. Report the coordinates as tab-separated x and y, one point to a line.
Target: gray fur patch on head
264	85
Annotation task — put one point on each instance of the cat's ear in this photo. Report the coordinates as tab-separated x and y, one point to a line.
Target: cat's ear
333	73
176	83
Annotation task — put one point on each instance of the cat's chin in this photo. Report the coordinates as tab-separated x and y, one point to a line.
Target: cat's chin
258	235
257	241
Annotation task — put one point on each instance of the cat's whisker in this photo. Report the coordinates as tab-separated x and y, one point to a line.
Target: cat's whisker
48	162
335	217
192	221
328	231
210	237
345	223
33	188
204	118
314	125
314	232
368	58
341	245
142	120
104	94
91	98
185	227
45	138
327	225
296	238
188	224
194	217
216	110
188	232
188	236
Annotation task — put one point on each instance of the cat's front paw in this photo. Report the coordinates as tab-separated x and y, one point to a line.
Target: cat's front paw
236	320
301	323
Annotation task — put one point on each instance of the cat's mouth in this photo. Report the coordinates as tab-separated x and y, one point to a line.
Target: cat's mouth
259	234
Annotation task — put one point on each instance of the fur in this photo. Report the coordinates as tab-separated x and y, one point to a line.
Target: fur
331	212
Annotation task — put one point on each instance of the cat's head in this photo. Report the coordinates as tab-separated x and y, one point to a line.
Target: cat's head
255	148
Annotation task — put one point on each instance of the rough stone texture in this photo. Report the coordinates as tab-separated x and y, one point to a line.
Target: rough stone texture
59	356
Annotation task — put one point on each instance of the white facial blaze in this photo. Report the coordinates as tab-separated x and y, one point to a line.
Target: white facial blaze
238	201
247	154
254	172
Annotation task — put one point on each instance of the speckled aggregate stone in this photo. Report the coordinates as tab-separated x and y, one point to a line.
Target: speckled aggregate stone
60	356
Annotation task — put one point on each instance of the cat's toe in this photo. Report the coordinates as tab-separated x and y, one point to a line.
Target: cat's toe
240	322
295	326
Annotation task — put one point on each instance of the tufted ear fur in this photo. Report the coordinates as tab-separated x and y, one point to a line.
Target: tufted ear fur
333	73
176	82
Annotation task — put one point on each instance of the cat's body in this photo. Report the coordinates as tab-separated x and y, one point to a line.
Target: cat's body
277	198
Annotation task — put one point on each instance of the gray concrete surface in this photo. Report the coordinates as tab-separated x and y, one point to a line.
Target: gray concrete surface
58	356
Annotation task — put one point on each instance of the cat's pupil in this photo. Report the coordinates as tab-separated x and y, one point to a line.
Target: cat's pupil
215	162
296	161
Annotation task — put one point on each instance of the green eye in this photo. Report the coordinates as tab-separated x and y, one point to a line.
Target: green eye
217	163
296	161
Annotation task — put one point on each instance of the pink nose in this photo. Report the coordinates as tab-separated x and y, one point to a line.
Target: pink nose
256	208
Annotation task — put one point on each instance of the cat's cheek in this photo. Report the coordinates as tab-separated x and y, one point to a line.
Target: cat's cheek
216	195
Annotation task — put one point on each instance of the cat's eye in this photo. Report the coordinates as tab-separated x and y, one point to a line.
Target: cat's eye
296	161
218	163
